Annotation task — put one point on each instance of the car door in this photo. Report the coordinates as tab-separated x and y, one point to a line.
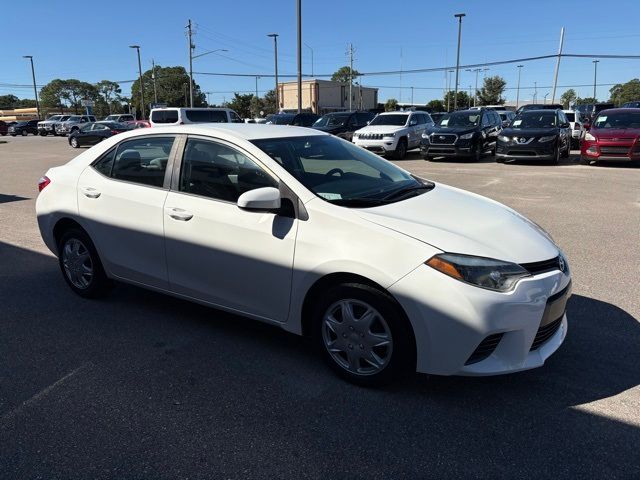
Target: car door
217	252
88	134
121	199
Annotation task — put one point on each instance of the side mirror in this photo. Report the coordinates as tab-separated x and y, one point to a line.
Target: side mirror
260	199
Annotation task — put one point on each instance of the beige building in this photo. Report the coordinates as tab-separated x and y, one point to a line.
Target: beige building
324	96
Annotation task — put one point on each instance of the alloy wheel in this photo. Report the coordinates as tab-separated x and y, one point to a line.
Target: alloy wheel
357	337
77	263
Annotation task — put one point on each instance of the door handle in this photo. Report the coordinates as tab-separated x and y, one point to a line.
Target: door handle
90	192
179	214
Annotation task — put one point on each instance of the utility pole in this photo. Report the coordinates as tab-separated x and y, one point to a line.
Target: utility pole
449	90
401	65
535	92
474	104
595	77
518	89
311	50
137	47
35	89
455	97
475	96
191	48
350	72
412	96
545	98
555	75
275	49
186	101
299	15
153	77
257	77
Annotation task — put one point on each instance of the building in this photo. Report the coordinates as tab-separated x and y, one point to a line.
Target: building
324	96
19	114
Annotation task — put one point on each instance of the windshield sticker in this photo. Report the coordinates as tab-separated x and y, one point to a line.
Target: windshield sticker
517	122
444	122
601	119
330	196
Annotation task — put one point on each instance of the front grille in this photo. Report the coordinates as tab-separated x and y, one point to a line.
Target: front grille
522	153
545	333
433	150
370	136
536	268
486	348
443	138
614	150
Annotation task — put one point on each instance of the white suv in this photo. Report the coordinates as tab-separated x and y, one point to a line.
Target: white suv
576	120
181	116
393	133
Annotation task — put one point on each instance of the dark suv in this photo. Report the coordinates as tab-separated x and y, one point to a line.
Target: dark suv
4	128
465	133
343	124
296	119
24	128
536	135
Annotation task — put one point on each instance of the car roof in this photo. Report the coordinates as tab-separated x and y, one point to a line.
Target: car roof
396	113
619	110
242	131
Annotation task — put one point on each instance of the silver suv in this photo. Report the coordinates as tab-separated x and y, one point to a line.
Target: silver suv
73	123
48	126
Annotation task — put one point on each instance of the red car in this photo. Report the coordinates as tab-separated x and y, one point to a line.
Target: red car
614	135
141	124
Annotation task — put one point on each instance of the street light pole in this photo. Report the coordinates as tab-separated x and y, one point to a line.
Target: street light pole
153	77
35	89
455	98
299	18
475	96
311	50
595	77
518	89
275	50
137	47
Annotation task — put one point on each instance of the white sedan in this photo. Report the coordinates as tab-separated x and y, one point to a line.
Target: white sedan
386	271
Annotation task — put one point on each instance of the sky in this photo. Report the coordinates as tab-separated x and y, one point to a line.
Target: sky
386	36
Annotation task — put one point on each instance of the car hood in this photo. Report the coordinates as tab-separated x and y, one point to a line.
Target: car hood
609	133
455	130
457	221
381	129
529	132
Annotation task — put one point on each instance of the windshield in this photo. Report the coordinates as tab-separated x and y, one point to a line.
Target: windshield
460	119
332	120
281	119
395	120
112	118
74	119
618	120
341	173
54	118
571	117
535	119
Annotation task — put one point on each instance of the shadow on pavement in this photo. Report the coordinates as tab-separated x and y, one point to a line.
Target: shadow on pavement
172	389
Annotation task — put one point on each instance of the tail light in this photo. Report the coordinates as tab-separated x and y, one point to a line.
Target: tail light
43	182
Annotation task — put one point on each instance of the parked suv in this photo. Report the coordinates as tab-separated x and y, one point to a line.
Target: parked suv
343	124
48	126
578	130
180	116
120	118
24	128
536	135
73	123
614	135
465	133
393	133
297	119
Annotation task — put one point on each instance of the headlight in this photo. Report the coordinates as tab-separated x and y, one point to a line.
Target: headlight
483	272
590	137
388	134
502	138
466	136
550	138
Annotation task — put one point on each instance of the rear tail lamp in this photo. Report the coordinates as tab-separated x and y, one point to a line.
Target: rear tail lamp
43	182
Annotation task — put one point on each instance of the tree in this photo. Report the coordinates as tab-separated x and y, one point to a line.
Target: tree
344	74
436	106
582	101
269	102
241	104
625	92
51	94
492	90
568	98
391	105
463	99
8	101
109	93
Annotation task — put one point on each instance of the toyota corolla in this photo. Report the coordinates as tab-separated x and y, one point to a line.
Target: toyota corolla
388	272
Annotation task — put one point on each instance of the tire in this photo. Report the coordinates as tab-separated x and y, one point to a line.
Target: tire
367	364
556	158
477	156
73	141
43	134
567	152
24	133
81	266
585	160
500	159
401	149
427	158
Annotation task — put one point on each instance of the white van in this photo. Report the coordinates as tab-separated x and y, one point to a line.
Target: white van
181	116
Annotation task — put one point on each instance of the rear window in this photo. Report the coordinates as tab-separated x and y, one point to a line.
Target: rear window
164	116
206	116
571	117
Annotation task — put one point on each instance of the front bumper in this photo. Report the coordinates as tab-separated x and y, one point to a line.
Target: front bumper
613	152
383	146
452	320
458	149
536	151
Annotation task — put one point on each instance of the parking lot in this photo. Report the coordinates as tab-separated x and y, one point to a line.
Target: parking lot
141	385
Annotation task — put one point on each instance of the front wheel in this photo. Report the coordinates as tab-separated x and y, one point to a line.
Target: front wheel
363	334
43	134
81	266
401	149
73	141
557	155
24	133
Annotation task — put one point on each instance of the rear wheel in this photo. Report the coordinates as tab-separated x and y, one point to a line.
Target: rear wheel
80	264
363	334
73	141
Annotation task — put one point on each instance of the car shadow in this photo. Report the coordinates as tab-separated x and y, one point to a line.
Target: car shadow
239	395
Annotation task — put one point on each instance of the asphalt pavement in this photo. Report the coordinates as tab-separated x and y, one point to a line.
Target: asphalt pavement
140	385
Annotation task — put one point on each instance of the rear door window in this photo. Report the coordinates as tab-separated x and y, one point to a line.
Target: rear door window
164	116
143	160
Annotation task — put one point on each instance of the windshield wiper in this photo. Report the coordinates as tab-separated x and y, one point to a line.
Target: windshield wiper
407	190
358	202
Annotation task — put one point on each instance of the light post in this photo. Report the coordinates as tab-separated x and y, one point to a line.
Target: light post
137	48
412	96
35	89
311	50
544	102
475	96
455	97
595	77
275	50
299	42
518	89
